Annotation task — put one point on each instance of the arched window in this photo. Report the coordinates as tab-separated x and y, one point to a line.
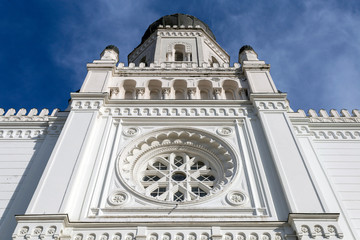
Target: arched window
229	95
129	89
204	95
129	95
179	94
179	52
154	95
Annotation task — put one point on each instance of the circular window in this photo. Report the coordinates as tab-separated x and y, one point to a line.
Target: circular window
176	166
178	176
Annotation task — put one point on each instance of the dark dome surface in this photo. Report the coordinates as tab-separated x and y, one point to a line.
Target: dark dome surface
177	19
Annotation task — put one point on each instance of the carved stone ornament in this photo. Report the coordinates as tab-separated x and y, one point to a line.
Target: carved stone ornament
118	198
131	131
204	237
51	230
166	237
38	230
253	237
236	198
153	237
197	163
24	230
116	237
331	229
78	237
91	237
104	237
224	131
179	237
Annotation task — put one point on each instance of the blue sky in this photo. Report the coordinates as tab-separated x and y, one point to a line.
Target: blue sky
313	46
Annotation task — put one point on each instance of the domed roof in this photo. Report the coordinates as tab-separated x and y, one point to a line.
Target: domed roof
177	19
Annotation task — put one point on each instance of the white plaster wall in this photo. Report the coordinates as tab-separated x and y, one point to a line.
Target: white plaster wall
336	167
341	163
21	165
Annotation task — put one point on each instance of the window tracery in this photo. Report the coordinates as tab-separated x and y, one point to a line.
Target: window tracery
178	176
179	165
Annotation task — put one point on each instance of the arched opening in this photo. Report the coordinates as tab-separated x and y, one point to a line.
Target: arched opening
213	60
204	95
229	95
231	88
154	95
180	87
154	87
129	89
128	95
206	90
179	52
179	94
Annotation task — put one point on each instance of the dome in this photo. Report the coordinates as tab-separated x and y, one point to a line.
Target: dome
177	19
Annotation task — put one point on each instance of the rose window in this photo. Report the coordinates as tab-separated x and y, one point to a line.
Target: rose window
178	176
176	165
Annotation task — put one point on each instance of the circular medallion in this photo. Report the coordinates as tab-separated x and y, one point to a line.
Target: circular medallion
236	198
118	198
224	131
131	131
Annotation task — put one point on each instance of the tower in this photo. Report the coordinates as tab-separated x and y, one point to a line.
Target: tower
181	145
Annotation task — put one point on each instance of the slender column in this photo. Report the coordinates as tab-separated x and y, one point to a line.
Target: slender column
166	93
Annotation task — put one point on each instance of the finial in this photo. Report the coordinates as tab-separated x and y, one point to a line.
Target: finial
111	52
247	53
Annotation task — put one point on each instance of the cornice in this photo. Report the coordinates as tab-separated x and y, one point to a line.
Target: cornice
178	70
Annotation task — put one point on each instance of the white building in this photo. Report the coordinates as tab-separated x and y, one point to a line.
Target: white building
179	146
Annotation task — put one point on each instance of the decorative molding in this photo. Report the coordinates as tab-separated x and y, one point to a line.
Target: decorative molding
171	47
57	227
319	226
140	49
85	104
216	49
326	134
271	105
333	116
173	111
91	233
22	133
38	232
158	68
22	116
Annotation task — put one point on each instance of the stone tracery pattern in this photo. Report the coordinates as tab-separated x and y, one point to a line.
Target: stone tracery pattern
177	165
178	177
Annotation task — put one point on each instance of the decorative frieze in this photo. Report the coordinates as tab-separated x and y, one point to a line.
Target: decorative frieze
165	234
174	111
85	104
326	134
187	67
316	226
324	117
21	115
271	105
37	232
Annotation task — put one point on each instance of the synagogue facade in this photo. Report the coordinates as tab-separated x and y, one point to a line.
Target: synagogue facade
179	145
